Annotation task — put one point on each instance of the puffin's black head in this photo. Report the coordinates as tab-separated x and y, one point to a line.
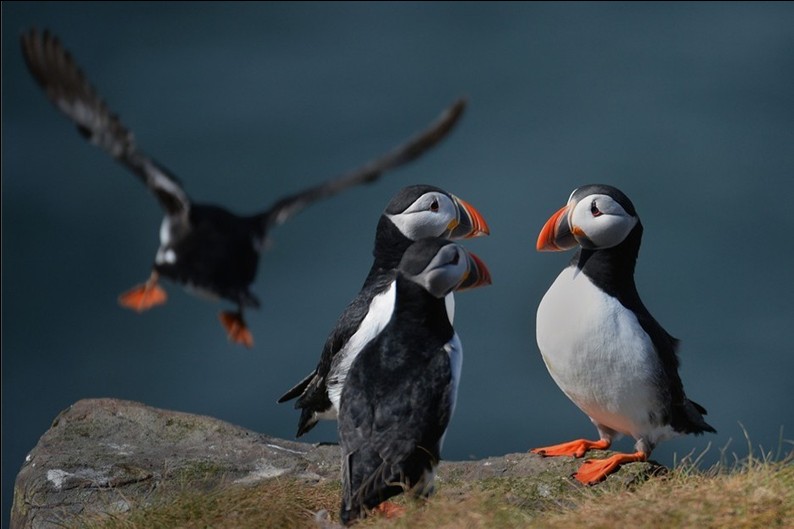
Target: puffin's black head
421	211
441	266
596	217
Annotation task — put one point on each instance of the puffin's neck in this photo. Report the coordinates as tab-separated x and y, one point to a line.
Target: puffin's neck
415	307
612	269
390	245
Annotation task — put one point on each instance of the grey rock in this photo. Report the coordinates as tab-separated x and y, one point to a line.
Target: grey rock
103	456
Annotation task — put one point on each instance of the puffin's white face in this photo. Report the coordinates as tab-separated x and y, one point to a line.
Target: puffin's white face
598	221
595	217
448	268
433	214
441	266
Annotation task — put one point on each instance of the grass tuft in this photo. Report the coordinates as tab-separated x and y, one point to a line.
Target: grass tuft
754	492
277	503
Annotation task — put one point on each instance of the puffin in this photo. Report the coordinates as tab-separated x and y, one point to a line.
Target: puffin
415	212
204	248
400	392
600	343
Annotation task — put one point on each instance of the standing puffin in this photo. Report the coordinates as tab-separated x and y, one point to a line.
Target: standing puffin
400	392
600	344
203	247
415	212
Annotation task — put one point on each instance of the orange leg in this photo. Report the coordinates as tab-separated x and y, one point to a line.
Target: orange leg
572	448
594	470
389	510
144	296
236	328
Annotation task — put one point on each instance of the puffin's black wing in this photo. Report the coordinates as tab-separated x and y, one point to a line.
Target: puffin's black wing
684	415
345	326
298	388
313	389
369	172
68	88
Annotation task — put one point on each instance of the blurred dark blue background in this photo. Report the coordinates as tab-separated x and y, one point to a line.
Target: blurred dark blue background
688	108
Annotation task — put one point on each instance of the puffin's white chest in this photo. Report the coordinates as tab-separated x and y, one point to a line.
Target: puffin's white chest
165	254
378	315
598	354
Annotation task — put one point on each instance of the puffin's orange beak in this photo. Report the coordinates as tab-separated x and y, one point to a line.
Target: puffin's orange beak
470	223
478	275
556	234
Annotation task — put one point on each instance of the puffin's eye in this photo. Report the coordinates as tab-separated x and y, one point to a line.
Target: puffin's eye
594	209
455	259
434	205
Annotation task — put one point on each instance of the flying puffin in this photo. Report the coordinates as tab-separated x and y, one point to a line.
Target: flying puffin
400	392
415	212
203	247
600	344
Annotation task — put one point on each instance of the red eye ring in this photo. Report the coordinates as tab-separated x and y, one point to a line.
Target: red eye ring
434	205
594	209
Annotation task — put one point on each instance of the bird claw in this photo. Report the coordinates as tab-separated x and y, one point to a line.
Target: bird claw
236	328
389	510
576	448
144	296
594	471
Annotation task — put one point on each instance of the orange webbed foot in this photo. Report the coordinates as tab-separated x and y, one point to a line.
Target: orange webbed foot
389	510
144	296
575	448
593	471
236	328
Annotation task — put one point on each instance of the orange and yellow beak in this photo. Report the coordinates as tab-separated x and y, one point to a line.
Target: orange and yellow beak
556	235
469	222
478	275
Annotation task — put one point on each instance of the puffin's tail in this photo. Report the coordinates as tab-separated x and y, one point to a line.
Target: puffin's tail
690	419
306	422
298	389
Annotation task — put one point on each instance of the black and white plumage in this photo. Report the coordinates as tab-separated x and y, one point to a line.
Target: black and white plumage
203	247
415	212
400	392
599	342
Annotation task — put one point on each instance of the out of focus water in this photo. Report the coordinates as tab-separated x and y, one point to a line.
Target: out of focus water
688	108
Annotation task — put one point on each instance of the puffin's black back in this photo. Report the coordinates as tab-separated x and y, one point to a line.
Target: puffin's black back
217	253
395	404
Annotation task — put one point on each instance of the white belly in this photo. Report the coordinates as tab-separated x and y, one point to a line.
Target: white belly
598	354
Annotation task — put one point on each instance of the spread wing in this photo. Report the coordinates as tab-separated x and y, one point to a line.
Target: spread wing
369	172
68	88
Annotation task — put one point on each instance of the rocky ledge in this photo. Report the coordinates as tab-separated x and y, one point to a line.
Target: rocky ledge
113	456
